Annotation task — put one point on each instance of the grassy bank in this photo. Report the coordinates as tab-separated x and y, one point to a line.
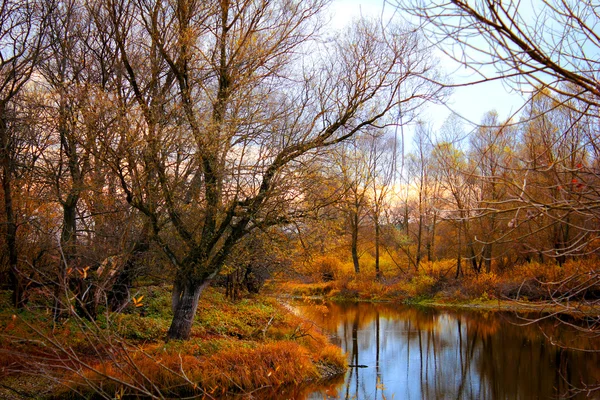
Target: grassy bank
573	287
235	348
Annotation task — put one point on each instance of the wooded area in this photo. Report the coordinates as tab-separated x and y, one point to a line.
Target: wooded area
192	143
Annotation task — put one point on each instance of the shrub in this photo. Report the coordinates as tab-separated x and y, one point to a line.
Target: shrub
439	269
421	285
481	285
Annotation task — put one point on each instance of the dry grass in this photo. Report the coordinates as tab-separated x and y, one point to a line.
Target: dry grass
436	280
171	373
235	347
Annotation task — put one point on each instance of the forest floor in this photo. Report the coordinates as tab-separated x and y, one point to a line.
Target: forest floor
236	348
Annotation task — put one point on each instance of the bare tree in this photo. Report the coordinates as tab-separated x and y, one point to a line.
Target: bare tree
491	155
22	27
354	161
423	177
550	43
548	48
225	101
383	155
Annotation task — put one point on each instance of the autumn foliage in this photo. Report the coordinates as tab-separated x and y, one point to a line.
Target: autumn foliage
235	348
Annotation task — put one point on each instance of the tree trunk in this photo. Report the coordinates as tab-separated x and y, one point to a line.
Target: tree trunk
458	266
354	243
68	243
118	295
377	234
470	248
473	257
431	246
18	293
419	242
487	256
185	303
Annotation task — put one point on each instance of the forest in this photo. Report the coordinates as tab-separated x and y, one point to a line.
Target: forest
172	169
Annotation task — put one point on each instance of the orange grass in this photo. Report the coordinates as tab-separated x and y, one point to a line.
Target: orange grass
436	280
235	347
234	370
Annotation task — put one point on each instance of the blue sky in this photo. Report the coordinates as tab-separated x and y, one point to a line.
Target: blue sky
471	102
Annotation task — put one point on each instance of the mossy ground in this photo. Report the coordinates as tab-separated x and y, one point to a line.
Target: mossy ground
235	348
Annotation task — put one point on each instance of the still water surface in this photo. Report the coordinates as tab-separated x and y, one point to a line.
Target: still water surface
403	352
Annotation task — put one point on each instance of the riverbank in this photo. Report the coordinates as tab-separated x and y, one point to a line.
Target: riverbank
235	348
483	292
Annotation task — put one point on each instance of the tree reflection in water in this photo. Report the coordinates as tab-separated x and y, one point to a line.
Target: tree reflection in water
418	353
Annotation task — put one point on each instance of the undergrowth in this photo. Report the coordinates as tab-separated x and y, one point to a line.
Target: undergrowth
436	280
235	347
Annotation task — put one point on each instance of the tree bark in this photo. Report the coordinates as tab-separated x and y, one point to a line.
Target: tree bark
185	303
354	243
18	293
419	240
458	261
473	257
487	257
377	234
118	295
67	240
431	245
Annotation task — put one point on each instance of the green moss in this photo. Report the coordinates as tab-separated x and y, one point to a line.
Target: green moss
135	327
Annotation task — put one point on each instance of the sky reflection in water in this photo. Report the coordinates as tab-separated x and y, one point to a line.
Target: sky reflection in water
426	353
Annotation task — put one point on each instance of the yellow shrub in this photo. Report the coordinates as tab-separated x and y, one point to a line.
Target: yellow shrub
481	285
440	268
421	285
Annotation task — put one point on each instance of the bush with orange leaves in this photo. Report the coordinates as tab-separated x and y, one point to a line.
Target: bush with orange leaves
320	268
483	285
544	281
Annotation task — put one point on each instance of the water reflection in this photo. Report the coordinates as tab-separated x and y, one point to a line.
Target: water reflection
406	352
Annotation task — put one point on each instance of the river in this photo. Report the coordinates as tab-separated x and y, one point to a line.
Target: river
405	352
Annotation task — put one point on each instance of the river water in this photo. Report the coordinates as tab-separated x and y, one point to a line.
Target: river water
404	352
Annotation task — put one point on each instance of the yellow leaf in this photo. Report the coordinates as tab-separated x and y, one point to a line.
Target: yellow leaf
138	301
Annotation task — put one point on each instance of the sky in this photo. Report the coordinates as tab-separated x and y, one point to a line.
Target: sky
470	102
